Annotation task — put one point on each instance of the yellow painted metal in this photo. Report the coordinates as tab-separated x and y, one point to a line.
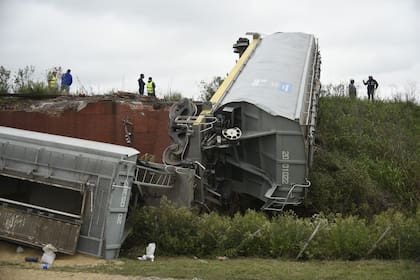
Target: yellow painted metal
230	78
235	71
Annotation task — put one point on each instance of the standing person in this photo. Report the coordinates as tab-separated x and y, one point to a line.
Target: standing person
52	80
372	85
151	87
141	84
66	81
352	89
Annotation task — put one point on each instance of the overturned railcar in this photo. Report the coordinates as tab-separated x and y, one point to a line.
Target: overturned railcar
77	194
256	137
69	192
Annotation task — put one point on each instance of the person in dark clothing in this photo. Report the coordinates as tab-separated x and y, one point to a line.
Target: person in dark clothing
141	84
151	87
66	81
372	85
352	89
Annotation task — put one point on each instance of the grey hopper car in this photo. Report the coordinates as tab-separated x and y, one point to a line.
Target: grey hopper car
256	137
77	194
69	192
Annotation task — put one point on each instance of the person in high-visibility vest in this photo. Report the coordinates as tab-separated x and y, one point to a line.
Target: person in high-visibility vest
52	80
150	85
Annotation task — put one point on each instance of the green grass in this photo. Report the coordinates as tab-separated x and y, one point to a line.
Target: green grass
367	157
253	268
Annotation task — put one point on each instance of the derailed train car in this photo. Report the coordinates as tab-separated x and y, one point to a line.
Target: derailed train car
71	193
254	139
257	135
77	194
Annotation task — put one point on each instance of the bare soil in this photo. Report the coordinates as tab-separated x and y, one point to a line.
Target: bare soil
14	267
55	106
7	273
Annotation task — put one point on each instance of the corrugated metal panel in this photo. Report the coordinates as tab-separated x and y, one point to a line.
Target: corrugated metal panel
35	229
92	232
69	143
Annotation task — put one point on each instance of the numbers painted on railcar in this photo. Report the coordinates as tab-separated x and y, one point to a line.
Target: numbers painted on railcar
285	155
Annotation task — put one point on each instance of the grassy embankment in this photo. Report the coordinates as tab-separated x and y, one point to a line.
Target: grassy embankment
368	157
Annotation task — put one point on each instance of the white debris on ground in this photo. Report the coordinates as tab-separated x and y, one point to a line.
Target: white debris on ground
13	265
49	254
150	253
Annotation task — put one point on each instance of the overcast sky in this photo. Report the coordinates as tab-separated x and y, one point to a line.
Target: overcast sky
107	44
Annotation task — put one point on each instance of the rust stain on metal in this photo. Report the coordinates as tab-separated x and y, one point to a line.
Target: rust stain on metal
94	118
37	230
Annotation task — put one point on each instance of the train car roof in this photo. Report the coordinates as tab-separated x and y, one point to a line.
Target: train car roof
275	77
63	142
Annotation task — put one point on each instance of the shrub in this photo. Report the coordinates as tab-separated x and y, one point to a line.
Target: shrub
410	238
178	231
173	229
212	237
342	238
4	80
402	241
248	235
173	96
288	234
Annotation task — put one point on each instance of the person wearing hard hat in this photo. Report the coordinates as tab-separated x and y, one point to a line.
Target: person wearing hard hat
151	87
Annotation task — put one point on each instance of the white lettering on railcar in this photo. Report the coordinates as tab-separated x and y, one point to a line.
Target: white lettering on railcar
285	155
123	197
119	219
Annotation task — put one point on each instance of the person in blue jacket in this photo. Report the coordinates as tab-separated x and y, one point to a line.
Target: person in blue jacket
66	81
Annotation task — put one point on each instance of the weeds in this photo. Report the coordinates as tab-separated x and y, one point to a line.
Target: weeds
367	158
23	82
179	231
